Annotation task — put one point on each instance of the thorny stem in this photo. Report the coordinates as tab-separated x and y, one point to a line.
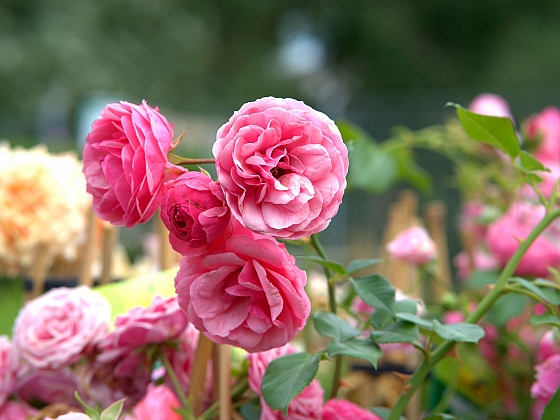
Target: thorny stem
316	244
178	388
485	304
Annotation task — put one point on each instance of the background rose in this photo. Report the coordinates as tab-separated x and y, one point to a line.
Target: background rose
413	245
58	328
181	357
282	166
547	378
8	368
247	292
194	211
49	387
16	410
158	404
163	320
491	104
125	162
544	129
342	409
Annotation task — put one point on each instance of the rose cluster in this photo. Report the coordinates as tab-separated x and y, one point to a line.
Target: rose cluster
281	169
63	342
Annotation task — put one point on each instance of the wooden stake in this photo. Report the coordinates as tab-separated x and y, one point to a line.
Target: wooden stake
89	251
38	271
435	223
198	377
110	234
167	255
221	369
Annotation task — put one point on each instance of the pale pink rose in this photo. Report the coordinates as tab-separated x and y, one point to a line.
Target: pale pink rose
490	104
453	317
8	368
49	386
282	166
343	409
195	213
308	405
504	234
482	261
544	129
413	245
158	404
16	410
246	291
162	321
71	416
547	378
125	162
548	346
56	329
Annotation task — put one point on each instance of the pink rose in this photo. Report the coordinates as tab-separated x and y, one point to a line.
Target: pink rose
282	166
413	245
158	404
544	129
453	317
71	416
8	368
125	162
16	410
504	234
483	261
343	409
163	320
49	387
246	291
307	405
548	346
547	378
490	104
195	213
56	329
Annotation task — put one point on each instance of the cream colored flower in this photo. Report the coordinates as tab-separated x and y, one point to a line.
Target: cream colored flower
43	199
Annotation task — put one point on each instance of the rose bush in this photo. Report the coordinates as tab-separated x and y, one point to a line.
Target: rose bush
195	213
125	162
282	166
59	327
247	291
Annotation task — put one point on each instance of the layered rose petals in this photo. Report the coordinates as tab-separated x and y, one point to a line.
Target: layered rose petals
246	292
282	166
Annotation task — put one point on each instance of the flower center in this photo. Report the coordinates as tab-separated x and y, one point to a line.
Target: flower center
278	172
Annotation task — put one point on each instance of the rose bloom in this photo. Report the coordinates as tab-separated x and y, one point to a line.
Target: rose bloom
282	166
158	404
195	213
43	201
483	261
307	405
544	130
125	162
16	410
247	291
56	329
49	386
8	368
163	320
504	234
413	245
547	378
343	409
491	104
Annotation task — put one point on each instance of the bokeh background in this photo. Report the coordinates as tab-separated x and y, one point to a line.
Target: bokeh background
376	63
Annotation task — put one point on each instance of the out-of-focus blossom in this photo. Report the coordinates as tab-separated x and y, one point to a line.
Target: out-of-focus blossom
43	202
56	329
544	130
548	345
282	166
453	317
71	416
8	368
195	213
158	404
547	378
491	104
482	260
247	291
49	386
343	410
413	245
16	410
125	162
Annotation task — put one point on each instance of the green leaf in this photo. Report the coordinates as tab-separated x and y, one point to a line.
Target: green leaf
286	377
553	407
401	332
381	319
497	131
534	178
424	323
87	409
411	172
250	411
331	265
547	294
406	305
113	412
359	265
440	416
376	291
530	163
360	349
545	319
384	412
330	325
465	333
507	307
371	168
480	278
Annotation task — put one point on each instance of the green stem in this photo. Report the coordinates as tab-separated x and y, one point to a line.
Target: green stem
177	385
236	392
337	368
485	304
190	161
